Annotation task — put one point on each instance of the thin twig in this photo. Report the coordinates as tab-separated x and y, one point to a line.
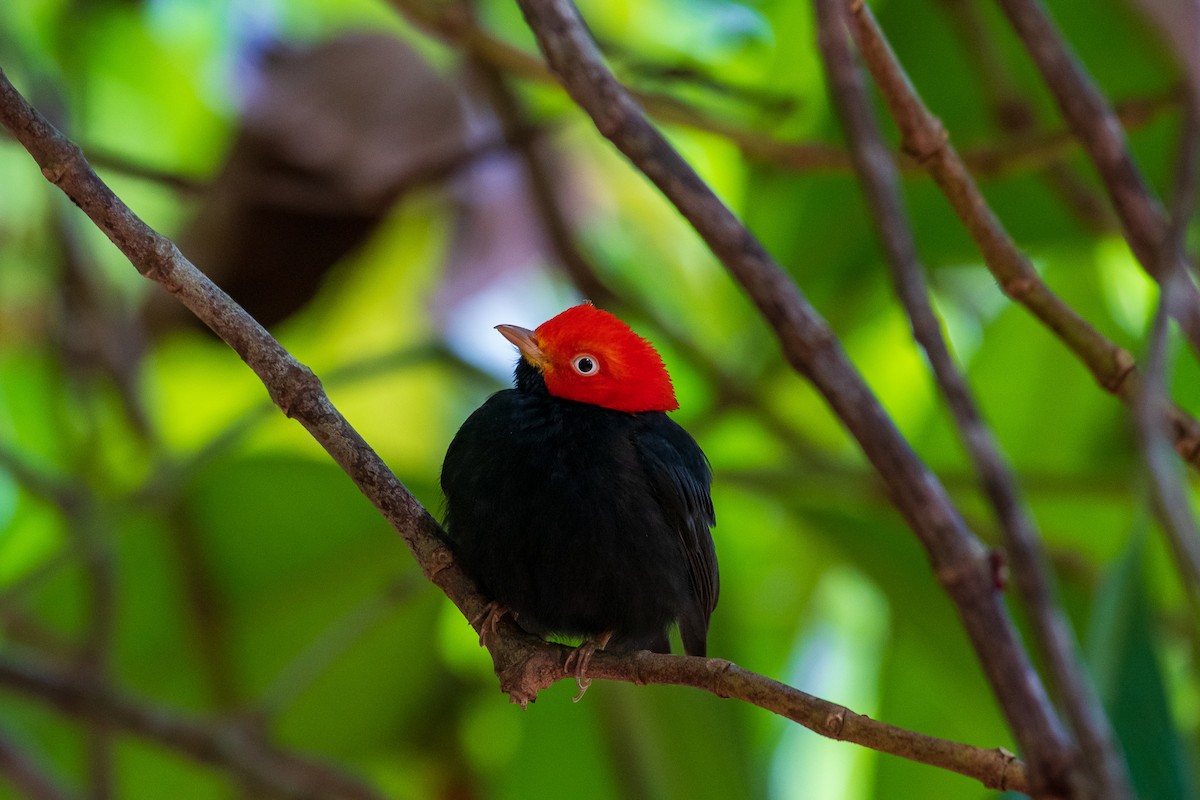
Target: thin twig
204	606
1168	486
959	560
924	137
1102	764
525	664
1092	119
87	545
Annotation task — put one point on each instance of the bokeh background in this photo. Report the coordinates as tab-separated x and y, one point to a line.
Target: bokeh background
380	200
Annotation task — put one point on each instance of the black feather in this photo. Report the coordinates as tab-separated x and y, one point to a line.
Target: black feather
582	520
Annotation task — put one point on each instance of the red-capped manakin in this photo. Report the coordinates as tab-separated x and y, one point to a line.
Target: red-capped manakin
576	503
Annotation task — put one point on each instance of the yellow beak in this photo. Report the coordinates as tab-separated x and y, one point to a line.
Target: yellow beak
526	342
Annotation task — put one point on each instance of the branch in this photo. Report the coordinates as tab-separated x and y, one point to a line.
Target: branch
1102	763
1097	127
291	385
924	137
455	24
732	389
959	560
1015	115
1168	487
226	744
89	546
27	776
525	664
536	664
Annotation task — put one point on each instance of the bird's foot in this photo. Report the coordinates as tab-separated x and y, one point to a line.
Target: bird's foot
488	620
581	657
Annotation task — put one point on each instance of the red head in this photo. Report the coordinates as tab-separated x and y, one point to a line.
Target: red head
589	355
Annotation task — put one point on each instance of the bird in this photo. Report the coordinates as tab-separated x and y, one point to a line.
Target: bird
576	503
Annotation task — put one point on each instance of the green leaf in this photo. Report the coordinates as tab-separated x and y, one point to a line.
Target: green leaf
1124	658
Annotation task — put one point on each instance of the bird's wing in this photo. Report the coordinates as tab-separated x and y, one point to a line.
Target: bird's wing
680	478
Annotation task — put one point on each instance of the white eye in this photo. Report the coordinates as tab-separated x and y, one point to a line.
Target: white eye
585	364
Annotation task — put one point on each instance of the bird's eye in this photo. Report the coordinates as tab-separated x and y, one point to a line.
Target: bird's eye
585	364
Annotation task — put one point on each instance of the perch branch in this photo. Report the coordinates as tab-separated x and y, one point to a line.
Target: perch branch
1102	762
525	664
533	665
959	560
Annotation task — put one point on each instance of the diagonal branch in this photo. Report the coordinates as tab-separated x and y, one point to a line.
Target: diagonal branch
454	24
1103	764
27	776
1092	119
924	137
525	664
959	560
1014	114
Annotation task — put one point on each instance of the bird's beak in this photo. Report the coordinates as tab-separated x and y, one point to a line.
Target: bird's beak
525	341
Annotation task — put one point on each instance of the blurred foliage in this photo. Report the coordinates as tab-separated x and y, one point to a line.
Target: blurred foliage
251	576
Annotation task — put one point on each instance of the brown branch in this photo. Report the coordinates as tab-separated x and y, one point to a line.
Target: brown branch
1102	765
924	137
291	385
1014	113
1030	151
27	776
525	664
455	25
1168	486
454	22
224	744
1092	119
732	389
959	560
533	665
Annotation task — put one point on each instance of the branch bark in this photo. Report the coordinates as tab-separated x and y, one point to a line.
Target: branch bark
924	137
1092	119
455	24
524	664
1168	487
1103	767
959	560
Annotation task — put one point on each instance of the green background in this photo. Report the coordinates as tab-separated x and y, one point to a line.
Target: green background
251	576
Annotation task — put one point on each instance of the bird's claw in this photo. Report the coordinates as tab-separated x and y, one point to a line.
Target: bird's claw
488	621
581	657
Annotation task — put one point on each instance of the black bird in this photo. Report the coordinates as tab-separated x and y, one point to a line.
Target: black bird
576	503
